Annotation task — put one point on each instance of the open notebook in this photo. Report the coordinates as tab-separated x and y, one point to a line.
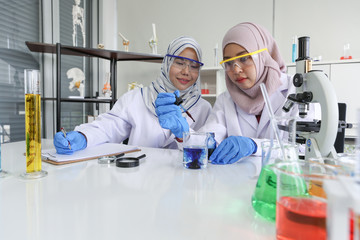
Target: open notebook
106	149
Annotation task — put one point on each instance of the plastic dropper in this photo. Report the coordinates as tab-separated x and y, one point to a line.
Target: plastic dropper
178	102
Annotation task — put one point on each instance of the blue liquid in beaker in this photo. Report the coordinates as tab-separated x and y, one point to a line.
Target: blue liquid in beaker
0	156
195	157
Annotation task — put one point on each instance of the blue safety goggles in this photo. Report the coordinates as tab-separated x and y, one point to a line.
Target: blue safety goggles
183	62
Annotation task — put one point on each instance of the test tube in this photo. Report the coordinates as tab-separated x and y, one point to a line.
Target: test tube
2	172
33	125
294	49
357	146
216	55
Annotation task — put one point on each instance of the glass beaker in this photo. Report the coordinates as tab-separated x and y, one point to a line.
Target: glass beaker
357	225
2	172
195	150
264	197
301	200
33	125
343	200
346	162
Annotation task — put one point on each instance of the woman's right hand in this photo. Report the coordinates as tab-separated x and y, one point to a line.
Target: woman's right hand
164	99
74	141
170	116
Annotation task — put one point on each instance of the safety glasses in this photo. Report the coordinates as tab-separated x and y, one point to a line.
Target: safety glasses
241	61
183	62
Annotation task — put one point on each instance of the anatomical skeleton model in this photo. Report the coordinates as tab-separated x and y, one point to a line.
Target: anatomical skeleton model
153	42
78	19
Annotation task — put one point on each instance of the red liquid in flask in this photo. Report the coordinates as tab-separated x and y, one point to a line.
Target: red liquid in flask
300	218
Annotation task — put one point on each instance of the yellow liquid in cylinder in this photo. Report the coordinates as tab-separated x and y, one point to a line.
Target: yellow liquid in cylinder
33	132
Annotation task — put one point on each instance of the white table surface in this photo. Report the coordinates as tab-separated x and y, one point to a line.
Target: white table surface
157	200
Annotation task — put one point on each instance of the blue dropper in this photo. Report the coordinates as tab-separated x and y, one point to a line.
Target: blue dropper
178	102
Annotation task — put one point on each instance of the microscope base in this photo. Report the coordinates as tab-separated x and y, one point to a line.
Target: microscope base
312	151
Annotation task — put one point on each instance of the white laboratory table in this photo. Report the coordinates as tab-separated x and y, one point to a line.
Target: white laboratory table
157	200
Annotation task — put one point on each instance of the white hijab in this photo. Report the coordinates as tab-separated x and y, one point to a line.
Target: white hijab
163	83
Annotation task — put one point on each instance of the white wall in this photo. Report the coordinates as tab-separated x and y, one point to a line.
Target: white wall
205	20
329	23
107	33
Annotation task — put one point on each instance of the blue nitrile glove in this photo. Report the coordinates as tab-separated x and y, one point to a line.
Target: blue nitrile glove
77	142
166	98
232	149
169	114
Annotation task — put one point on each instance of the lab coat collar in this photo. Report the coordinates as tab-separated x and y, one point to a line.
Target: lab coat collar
249	118
277	100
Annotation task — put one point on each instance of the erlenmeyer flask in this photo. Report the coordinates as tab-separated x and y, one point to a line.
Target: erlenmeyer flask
264	197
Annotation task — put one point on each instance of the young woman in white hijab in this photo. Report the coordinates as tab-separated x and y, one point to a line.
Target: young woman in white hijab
133	115
240	123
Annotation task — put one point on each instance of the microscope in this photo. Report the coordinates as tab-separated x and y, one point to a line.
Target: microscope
313	86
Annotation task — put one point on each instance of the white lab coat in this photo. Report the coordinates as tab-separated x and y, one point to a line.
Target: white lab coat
227	119
130	118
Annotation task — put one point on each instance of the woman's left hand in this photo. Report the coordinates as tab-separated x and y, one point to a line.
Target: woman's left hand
233	149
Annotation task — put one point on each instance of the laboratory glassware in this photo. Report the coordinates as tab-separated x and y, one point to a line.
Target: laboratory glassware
301	203
294	49
264	197
33	125
2	172
211	144
343	208
195	150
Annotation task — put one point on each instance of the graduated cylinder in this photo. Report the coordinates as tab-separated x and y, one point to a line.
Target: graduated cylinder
32	120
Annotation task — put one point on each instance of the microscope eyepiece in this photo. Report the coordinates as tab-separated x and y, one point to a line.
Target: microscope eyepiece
304	48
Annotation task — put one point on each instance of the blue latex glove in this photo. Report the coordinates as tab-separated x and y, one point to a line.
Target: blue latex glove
166	98
77	142
232	149
169	114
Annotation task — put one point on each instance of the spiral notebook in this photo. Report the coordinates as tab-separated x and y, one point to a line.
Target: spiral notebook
106	149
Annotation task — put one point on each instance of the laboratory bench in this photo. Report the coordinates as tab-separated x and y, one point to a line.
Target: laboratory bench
157	200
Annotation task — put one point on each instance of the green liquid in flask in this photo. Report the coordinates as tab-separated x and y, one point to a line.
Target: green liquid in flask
264	197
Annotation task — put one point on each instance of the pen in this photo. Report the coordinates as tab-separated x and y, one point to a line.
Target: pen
178	103
64	132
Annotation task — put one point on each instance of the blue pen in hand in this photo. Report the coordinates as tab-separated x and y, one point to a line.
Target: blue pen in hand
64	132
